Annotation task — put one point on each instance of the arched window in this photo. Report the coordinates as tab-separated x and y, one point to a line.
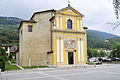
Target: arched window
69	24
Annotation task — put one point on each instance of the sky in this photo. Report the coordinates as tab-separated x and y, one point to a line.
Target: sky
97	12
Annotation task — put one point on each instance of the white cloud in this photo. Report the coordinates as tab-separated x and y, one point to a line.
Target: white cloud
97	12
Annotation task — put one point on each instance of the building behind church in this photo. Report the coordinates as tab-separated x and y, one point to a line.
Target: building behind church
53	38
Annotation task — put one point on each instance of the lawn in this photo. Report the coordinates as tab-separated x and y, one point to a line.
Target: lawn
30	67
11	67
90	63
13	61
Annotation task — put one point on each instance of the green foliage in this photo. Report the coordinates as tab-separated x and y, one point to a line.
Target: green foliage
90	52
13	61
116	4
89	63
9	21
9	30
101	35
30	67
115	50
95	53
11	67
2	58
9	34
95	39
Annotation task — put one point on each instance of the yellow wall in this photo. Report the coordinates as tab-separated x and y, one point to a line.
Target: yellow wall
68	36
64	17
8	50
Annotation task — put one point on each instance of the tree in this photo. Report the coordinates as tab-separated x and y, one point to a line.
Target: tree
90	52
2	58
115	50
102	53
96	53
116	4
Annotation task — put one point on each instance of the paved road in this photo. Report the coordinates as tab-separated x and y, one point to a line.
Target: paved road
99	73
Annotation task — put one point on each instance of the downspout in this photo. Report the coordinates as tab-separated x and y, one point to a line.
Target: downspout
51	40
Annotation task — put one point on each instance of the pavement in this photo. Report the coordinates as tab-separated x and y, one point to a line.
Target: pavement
104	72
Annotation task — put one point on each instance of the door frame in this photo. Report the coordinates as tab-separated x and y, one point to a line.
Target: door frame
73	58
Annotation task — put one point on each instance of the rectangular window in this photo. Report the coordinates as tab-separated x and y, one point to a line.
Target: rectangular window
29	28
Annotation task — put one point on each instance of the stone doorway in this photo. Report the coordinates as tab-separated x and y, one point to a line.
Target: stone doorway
70	58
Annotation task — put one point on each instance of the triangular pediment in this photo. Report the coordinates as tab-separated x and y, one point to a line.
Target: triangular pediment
70	10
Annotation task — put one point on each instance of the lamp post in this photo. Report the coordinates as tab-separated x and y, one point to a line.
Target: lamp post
116	54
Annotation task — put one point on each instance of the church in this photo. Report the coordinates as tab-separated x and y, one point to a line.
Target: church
53	38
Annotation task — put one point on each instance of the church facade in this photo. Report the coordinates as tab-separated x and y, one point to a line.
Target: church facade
53	38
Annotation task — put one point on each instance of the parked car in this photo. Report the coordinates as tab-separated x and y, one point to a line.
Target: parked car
97	62
115	59
106	60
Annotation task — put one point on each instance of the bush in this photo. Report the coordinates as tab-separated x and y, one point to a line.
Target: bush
2	66
2	58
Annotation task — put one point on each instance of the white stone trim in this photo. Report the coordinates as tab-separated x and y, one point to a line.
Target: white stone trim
73	58
62	56
78	49
54	25
69	10
78	24
58	60
67	36
61	22
81	25
82	50
57	21
29	61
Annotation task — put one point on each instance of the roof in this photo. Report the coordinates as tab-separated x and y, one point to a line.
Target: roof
85	27
52	18
13	49
42	12
69	7
30	21
6	45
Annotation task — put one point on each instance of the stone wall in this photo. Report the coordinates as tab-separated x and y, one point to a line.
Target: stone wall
35	45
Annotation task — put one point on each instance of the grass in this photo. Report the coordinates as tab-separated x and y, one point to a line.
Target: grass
11	67
13	61
31	67
89	63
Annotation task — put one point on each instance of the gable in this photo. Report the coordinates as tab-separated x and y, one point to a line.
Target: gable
71	11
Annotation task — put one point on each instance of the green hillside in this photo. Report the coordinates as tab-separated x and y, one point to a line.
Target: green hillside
9	34
101	35
9	30
96	39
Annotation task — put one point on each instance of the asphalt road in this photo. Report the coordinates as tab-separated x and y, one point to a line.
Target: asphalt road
99	73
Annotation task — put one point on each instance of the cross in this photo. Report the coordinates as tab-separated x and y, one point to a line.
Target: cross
68	3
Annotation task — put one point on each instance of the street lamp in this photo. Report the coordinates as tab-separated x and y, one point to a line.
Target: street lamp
116	54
